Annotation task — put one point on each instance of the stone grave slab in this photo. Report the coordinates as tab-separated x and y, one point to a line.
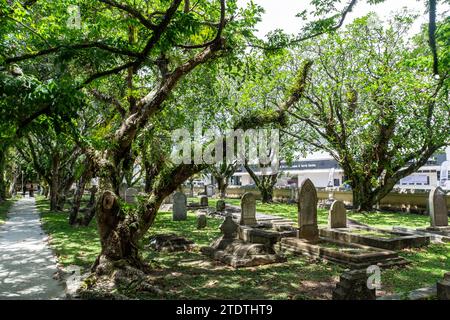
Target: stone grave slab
179	207
378	238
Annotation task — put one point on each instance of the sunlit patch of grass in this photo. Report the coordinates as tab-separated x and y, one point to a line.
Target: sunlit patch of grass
191	275
73	245
428	265
391	219
375	219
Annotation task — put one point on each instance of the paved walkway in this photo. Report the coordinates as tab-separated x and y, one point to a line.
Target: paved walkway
27	264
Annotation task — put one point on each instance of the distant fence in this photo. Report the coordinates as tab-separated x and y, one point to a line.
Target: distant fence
407	202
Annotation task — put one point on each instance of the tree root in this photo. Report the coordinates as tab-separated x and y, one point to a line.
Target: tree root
117	280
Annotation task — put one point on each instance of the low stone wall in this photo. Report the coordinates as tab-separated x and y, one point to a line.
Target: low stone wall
407	202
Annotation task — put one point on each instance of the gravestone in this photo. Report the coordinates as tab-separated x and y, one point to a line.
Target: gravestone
209	190
438	208
169	242
307	211
204	201
201	221
130	195
248	209
229	228
179	208
443	288
352	285
337	216
220	205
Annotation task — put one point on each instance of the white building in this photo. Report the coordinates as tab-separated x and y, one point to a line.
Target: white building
324	172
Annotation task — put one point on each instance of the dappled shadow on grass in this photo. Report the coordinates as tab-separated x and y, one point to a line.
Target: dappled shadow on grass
73	245
190	275
428	265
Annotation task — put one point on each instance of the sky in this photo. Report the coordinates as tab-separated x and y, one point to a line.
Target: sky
280	14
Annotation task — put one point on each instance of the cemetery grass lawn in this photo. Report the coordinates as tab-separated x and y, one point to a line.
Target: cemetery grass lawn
428	265
385	220
4	207
190	275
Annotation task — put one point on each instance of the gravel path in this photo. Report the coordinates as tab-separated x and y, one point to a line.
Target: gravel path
27	264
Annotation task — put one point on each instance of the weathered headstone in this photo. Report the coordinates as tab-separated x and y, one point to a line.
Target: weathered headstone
337	216
169	242
229	228
248	209
220	205
438	207
209	190
201	221
130	195
352	285
179	208
443	288
204	201
307	211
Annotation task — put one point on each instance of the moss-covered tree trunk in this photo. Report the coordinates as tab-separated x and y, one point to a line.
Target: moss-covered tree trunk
222	185
2	176
54	183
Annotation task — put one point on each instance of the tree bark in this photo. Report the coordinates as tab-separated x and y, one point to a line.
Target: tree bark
264	184
54	183
77	200
2	177
118	237
222	185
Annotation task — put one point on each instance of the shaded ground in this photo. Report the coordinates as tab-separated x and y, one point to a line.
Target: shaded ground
4	207
190	275
27	264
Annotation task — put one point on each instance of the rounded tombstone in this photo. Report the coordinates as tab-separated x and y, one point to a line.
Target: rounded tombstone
204	201
201	220
337	216
248	209
220	205
179	208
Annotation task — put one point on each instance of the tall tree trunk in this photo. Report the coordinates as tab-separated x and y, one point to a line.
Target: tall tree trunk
364	198
91	208
54	183
222	186
264	184
118	236
2	176
77	199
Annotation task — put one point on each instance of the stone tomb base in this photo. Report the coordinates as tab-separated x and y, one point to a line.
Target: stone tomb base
238	254
265	234
170	243
443	231
351	255
375	237
195	206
